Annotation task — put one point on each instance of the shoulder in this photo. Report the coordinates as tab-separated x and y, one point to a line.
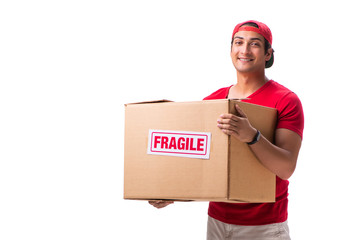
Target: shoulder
279	89
218	94
286	97
281	95
290	110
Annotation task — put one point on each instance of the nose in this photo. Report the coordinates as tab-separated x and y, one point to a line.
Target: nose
245	48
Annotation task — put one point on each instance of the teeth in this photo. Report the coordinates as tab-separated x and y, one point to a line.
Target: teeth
245	60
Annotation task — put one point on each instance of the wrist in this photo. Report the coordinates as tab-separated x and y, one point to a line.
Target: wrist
256	138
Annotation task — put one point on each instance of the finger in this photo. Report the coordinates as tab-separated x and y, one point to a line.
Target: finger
160	203
155	202
223	121
241	113
228	132
229	116
163	204
227	124
228	128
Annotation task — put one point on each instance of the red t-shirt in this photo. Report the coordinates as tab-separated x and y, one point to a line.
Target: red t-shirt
290	116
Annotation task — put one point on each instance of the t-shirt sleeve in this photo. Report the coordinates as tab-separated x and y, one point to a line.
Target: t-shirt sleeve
291	115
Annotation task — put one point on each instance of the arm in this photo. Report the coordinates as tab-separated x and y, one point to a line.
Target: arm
280	158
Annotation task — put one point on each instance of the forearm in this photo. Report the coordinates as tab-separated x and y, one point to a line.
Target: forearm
280	161
281	157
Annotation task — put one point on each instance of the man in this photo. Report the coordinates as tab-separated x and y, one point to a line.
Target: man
251	53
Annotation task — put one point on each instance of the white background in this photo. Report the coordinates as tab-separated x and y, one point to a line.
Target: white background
67	68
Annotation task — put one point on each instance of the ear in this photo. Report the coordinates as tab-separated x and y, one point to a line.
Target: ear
268	54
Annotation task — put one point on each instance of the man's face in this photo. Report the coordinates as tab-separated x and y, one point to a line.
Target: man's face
247	52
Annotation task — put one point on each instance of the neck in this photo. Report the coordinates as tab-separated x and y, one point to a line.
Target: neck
247	84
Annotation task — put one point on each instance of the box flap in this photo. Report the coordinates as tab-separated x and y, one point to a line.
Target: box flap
152	101
257	185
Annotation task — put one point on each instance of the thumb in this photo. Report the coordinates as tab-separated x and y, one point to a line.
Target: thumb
241	113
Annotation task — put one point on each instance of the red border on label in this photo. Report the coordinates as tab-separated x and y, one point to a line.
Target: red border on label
184	134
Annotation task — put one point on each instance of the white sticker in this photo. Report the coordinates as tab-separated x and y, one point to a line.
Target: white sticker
179	143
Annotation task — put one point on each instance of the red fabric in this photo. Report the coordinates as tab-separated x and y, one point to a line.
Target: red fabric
290	116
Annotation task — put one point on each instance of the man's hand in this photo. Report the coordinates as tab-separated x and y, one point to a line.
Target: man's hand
237	126
280	157
160	203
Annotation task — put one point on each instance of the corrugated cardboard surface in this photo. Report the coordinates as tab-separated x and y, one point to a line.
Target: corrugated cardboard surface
220	178
249	181
164	177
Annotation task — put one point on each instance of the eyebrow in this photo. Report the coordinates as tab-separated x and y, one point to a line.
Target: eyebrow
250	38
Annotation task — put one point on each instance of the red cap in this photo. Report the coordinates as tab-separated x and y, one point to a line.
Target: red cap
263	30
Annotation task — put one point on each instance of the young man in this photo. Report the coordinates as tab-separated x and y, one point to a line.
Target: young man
251	53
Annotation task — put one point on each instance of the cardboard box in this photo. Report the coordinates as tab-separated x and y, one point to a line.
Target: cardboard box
174	150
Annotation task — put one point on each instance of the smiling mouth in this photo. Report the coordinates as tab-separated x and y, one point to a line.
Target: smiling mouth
245	59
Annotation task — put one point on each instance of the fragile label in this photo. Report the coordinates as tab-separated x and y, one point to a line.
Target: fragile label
179	143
